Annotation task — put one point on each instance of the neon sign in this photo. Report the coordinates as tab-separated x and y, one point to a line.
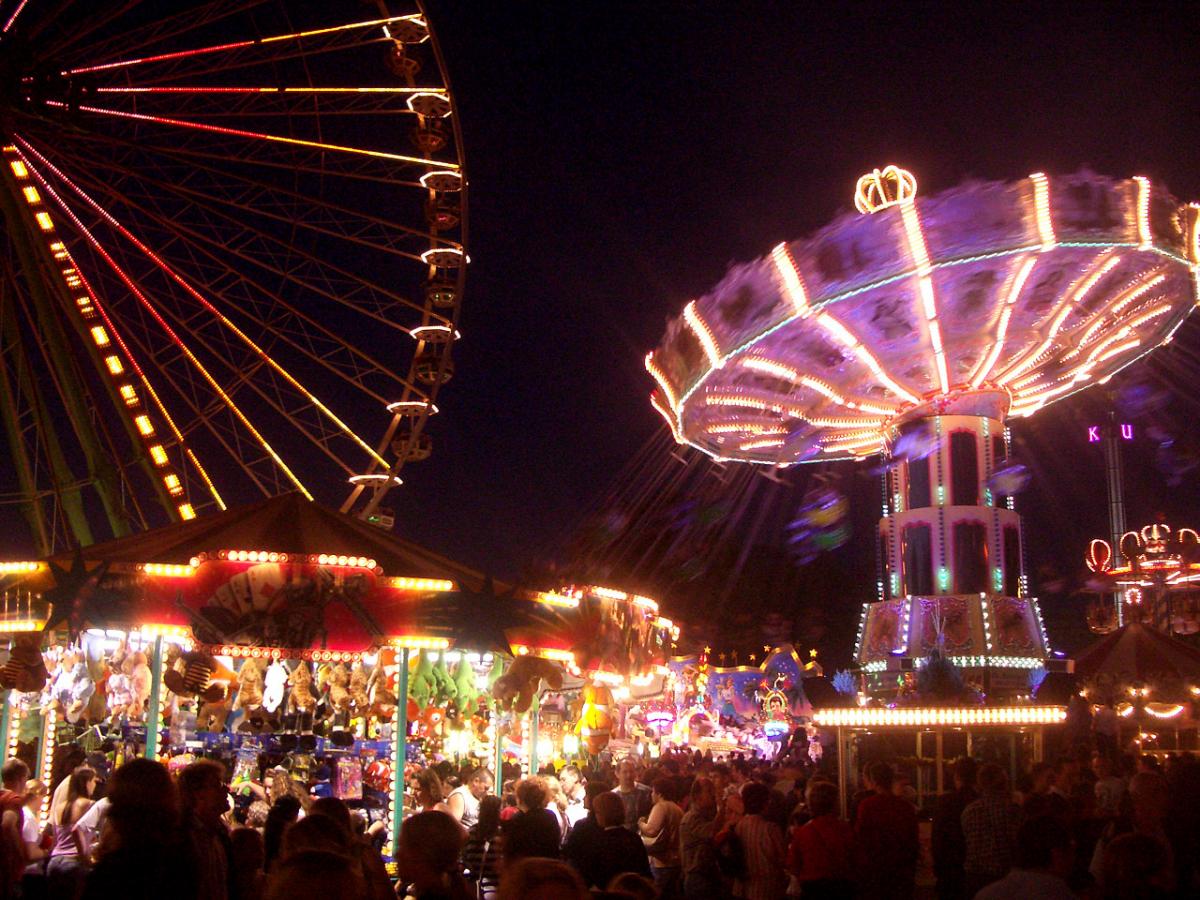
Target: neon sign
1095	432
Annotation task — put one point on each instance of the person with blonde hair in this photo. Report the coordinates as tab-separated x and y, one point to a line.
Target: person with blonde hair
431	793
69	863
534	830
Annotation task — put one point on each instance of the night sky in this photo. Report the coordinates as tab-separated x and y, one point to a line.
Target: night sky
622	155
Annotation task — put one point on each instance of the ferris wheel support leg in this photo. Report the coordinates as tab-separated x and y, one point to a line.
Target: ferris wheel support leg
32	507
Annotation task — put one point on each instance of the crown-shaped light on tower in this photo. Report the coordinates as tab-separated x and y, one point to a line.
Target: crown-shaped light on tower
880	189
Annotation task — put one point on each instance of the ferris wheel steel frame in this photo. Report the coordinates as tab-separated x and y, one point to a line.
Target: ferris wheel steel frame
192	296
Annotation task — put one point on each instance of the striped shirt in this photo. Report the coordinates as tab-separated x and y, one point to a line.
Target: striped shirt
764	851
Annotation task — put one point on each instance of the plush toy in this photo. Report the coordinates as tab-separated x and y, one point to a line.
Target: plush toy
274	686
464	682
25	670
430	723
118	692
138	672
358	688
212	715
422	683
301	698
339	688
250	685
515	688
445	688
79	687
595	717
199	675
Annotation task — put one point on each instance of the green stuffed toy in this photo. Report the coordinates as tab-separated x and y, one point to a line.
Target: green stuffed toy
464	681
444	687
422	683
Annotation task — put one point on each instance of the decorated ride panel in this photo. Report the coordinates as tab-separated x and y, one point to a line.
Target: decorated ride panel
1027	291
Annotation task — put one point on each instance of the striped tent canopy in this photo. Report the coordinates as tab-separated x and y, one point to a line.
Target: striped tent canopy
1141	653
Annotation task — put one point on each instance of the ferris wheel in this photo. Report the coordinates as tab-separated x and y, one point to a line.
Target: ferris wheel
233	256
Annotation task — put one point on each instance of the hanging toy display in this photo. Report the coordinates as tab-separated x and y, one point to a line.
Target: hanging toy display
595	717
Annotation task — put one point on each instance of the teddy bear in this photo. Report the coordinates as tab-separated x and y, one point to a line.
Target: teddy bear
138	672
25	670
515	688
358	688
199	675
339	684
301	698
381	682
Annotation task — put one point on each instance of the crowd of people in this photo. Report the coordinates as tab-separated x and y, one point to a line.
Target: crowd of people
687	826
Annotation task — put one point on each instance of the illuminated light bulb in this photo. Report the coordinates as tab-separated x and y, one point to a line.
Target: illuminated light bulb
1145	238
431	104
761	364
669	417
443	257
703	334
144	426
412	407
762	444
442	180
793	285
660	377
375	478
440	334
114	365
1041	208
174	488
31	194
18	168
881	188
44	221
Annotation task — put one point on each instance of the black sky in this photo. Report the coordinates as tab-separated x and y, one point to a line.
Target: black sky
622	155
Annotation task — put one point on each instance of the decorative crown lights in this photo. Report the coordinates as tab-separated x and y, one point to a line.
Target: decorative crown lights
879	189
932	716
827	346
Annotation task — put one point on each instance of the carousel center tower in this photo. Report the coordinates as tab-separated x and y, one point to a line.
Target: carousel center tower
916	328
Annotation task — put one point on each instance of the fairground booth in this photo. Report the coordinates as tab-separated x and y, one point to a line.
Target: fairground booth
278	637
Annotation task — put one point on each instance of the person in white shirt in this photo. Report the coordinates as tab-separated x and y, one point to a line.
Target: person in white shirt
575	789
464	800
1045	852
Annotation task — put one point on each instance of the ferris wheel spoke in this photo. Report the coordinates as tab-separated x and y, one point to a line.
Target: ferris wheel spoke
256	198
175	339
307	42
136	39
256	135
302	331
11	19
303	106
265	157
204	302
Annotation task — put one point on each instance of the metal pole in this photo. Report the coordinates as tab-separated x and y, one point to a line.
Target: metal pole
153	712
941	775
399	749
498	749
843	784
533	737
1116	502
5	720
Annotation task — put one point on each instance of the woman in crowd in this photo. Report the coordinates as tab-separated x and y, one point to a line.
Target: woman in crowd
431	793
533	831
68	866
821	855
763	848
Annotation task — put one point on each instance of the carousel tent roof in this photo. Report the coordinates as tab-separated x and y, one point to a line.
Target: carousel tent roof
285	524
1140	652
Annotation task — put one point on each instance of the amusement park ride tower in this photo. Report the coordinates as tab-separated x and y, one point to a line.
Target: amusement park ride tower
916	329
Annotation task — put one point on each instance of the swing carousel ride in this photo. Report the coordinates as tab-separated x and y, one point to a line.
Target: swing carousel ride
916	328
